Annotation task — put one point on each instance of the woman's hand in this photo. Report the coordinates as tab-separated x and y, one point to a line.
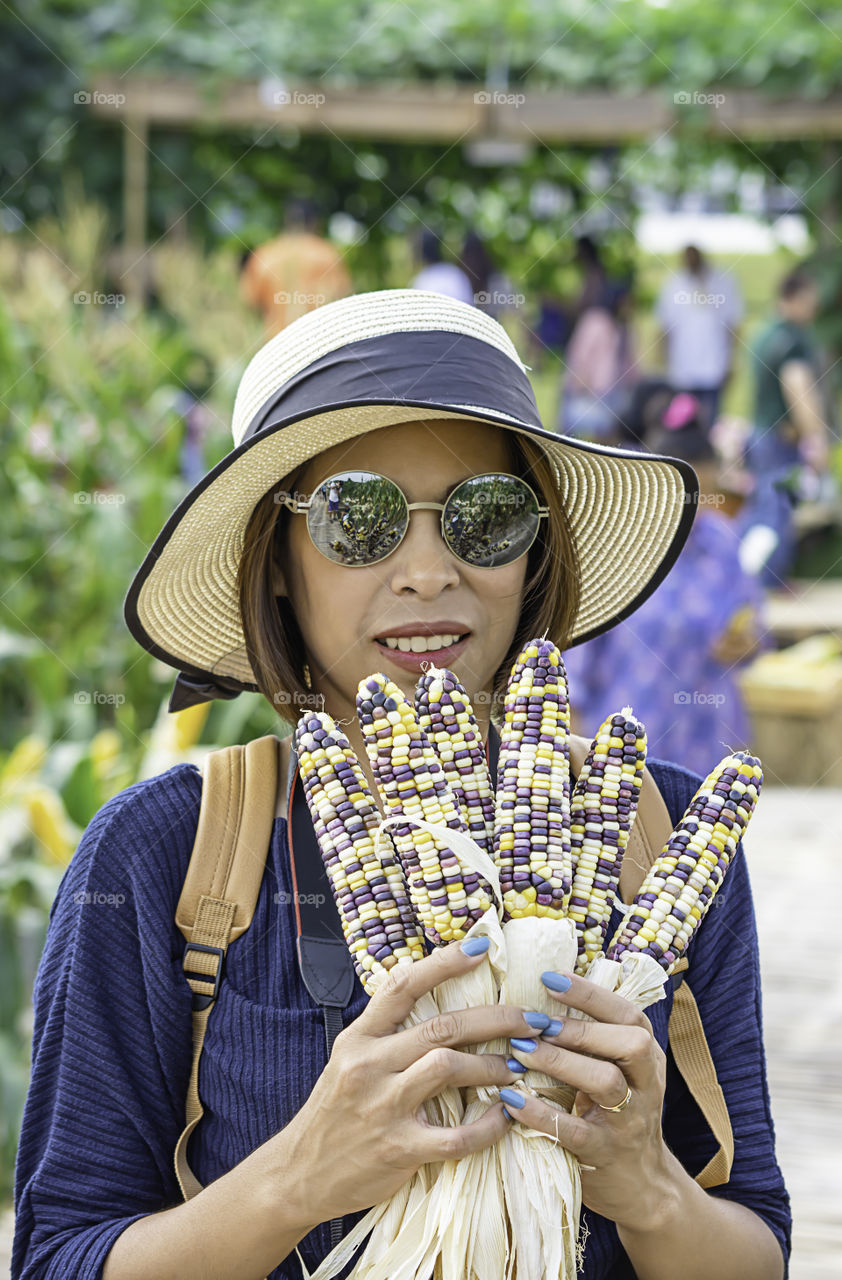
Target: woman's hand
628	1172
362	1132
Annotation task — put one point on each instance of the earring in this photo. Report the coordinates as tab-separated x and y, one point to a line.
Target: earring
308	680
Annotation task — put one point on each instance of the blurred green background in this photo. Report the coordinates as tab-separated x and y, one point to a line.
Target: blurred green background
93	398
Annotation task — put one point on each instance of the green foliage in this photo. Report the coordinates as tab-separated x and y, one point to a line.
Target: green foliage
768	43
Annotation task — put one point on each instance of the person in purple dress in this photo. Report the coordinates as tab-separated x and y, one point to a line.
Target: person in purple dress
680	651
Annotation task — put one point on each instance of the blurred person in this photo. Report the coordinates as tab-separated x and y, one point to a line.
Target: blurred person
699	311
494	292
600	369
438	276
557	317
646	403
594	276
788	449
478	266
196	420
551	330
296	272
680	650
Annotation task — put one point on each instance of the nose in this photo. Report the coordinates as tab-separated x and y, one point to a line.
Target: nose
423	564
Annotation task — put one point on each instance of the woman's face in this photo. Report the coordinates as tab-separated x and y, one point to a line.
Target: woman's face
419	592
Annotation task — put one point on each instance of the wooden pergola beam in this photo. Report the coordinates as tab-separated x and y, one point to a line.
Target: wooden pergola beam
447	113
410	114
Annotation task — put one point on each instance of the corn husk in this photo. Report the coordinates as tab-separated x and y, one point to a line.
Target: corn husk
541	1178
511	1210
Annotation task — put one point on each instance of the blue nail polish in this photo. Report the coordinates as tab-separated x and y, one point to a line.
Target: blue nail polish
555	981
537	1021
524	1046
553	1029
514	1065
508	1114
512	1098
475	946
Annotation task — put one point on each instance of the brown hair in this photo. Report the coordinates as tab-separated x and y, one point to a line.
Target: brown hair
273	640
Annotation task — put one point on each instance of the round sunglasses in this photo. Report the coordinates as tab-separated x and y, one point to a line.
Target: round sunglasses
358	518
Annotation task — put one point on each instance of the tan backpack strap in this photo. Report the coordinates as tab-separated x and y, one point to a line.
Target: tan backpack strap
220	889
692	1057
652	828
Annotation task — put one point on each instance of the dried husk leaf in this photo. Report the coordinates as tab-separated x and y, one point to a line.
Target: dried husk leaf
509	1212
541	1178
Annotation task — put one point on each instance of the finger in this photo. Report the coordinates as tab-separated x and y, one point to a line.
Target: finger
451	1143
481	1025
392	1003
448	1067
599	1004
604	1081
634	1049
572	1132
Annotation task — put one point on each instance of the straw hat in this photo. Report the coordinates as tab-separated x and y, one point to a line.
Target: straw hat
369	361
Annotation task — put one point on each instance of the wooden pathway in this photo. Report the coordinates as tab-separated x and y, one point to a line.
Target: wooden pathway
794	848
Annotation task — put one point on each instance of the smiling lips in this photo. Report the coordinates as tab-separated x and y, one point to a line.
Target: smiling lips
410	645
420	644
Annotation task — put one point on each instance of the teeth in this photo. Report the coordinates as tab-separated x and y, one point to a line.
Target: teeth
420	644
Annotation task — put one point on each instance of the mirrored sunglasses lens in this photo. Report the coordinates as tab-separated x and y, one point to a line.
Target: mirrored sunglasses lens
491	520
357	518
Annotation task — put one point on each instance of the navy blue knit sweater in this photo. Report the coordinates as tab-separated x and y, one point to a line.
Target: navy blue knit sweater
112	1043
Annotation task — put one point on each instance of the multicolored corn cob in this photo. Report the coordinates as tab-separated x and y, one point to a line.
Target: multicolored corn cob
377	918
447	899
532	844
602	810
679	888
446	716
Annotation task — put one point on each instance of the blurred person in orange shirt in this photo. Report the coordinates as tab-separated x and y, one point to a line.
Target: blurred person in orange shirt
294	273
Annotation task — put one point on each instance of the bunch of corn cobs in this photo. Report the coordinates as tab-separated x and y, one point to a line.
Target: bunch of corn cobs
557	850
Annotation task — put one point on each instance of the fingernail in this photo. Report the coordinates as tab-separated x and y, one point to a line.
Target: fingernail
508	1115
524	1046
554	1027
555	981
514	1065
537	1021
512	1098
475	946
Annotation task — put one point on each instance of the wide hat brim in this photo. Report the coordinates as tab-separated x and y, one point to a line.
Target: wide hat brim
629	513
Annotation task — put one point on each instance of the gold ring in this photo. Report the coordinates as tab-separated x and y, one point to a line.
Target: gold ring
621	1106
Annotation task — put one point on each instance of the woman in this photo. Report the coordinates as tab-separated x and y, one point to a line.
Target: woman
600	369
681	651
247	587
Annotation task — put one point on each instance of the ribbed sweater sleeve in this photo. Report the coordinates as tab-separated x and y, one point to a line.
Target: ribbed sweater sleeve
724	976
110	1070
